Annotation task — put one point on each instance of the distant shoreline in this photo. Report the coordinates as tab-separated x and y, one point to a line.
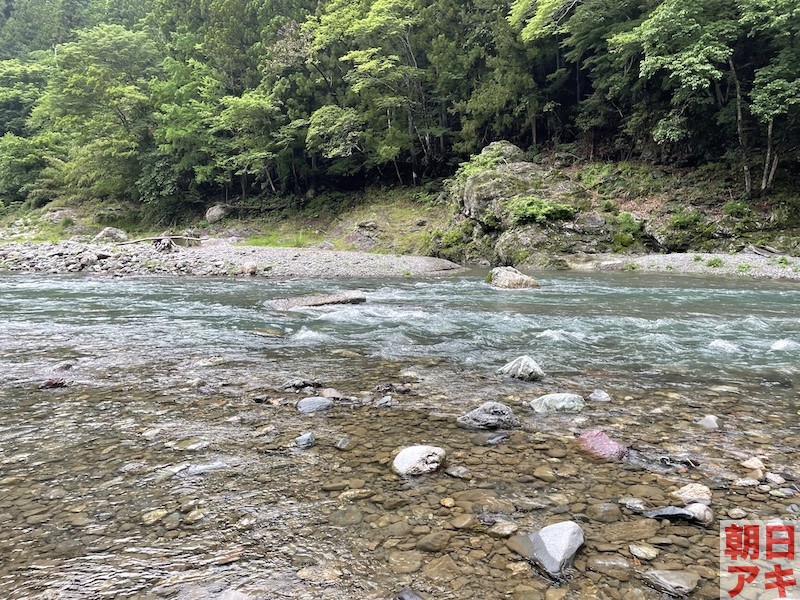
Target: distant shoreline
220	257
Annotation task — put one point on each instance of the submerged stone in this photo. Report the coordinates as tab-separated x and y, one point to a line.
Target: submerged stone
558	403
600	445
314	404
489	415
418	460
674	583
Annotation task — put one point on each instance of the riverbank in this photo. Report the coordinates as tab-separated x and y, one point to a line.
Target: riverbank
222	257
212	258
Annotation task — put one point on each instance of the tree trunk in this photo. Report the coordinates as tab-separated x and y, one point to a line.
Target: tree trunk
748	182
765	177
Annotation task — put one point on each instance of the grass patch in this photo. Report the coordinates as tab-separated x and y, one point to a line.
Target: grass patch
743	268
539	210
715	262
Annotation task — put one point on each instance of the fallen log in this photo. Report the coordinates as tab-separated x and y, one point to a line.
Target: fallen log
180	240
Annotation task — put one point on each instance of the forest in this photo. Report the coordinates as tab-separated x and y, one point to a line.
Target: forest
175	104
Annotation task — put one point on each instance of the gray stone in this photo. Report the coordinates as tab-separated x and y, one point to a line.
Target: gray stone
318	300
314	404
599	396
558	403
417	460
674	583
524	368
553	548
305	440
216	213
346	517
508	278
409	594
489	415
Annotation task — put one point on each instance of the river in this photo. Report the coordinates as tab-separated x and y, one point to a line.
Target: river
166	467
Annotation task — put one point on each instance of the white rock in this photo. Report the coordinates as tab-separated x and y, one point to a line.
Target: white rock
693	492
555	546
524	368
644	551
754	463
599	396
558	402
775	478
511	279
709	422
701	513
746	482
417	460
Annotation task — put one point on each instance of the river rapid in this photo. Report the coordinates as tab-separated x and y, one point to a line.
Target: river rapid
167	468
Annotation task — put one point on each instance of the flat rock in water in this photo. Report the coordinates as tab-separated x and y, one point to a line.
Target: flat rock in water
693	492
305	440
553	548
709	422
314	404
418	460
558	403
509	278
318	300
598	443
489	415
524	368
674	583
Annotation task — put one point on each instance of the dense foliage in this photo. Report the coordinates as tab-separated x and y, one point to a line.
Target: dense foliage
181	102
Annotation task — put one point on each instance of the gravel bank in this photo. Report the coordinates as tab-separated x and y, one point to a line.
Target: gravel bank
222	258
742	264
214	258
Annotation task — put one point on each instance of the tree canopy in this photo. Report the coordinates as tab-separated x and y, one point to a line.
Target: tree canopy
183	102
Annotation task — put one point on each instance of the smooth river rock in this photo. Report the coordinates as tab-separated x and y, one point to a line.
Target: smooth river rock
693	492
558	403
314	404
509	278
418	460
600	445
489	415
553	548
524	368
674	583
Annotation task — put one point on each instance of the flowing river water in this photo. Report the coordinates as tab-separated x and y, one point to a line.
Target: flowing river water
167	467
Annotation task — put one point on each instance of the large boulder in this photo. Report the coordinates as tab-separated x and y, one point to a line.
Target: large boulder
524	368
509	278
489	415
599	444
216	213
558	403
111	234
418	460
553	548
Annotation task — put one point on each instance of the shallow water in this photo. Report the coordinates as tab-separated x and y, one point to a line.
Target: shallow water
174	405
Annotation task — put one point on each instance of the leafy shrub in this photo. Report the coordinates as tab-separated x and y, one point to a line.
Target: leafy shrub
609	206
714	262
743	268
737	209
539	210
